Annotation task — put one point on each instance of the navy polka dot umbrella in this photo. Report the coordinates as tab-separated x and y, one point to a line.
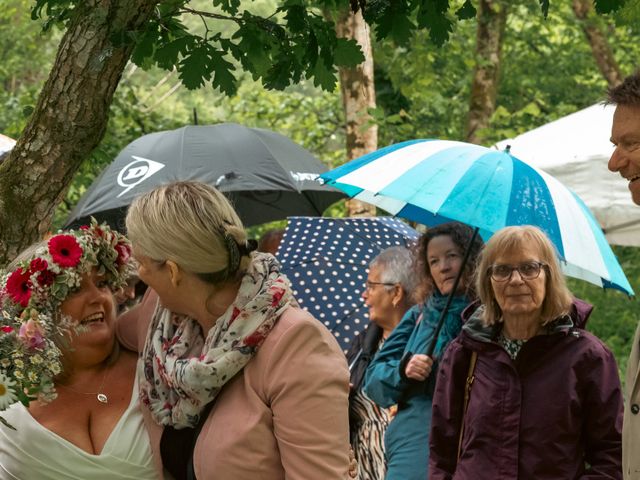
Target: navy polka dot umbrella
327	261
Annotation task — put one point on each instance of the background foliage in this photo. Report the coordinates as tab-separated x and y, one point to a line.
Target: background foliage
422	91
615	316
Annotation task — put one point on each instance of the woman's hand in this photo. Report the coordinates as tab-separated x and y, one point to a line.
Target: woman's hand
419	367
353	464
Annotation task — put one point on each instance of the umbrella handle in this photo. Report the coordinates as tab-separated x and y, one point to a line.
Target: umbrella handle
436	333
352	364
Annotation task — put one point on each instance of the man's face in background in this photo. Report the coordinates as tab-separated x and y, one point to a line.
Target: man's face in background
625	135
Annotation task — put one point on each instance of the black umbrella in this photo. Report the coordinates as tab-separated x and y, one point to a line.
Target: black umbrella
264	174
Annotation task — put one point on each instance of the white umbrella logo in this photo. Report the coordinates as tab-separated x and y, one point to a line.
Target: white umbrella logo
137	172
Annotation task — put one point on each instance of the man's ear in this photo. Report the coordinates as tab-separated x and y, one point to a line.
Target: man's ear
175	273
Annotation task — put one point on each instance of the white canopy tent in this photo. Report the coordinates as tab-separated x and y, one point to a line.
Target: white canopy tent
6	144
575	149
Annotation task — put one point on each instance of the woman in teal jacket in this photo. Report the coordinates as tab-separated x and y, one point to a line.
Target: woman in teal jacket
400	373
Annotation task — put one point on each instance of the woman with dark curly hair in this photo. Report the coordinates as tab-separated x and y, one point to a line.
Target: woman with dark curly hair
401	373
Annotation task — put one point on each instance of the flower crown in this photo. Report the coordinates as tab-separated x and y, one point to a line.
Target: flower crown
30	299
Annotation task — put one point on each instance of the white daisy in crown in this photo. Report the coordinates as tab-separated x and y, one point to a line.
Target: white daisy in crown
7	391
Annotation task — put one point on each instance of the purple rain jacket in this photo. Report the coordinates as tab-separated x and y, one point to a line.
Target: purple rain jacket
553	413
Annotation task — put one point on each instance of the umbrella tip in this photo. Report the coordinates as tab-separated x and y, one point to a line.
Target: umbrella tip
507	149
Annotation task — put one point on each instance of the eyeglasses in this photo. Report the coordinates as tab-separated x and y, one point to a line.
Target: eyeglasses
527	271
370	285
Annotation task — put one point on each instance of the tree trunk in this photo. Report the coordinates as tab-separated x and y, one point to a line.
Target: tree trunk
492	17
599	44
358	96
69	119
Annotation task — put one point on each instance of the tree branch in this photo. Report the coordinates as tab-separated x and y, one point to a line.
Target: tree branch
217	16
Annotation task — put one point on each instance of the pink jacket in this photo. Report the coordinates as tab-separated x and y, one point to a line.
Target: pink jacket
285	416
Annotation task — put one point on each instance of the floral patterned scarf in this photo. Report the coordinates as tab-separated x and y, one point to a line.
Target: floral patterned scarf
183	371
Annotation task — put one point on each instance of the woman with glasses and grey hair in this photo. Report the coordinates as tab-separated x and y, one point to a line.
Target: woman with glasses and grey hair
400	373
388	294
524	391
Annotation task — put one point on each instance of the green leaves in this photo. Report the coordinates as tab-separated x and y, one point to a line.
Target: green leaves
467	11
544	5
205	63
608	6
166	56
602	6
230	6
391	19
223	78
296	18
432	14
195	68
347	53
144	46
253	44
279	49
323	76
394	18
52	11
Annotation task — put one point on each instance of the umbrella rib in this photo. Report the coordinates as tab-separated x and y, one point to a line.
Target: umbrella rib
306	195
183	133
486	188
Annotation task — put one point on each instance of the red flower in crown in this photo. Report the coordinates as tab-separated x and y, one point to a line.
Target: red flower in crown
124	253
38	265
19	286
46	278
65	250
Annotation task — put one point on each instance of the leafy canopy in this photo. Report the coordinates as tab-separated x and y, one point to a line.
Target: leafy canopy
292	42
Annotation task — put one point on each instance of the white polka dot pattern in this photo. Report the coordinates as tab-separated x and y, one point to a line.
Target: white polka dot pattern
327	261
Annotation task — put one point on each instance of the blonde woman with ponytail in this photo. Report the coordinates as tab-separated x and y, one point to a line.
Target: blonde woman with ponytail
239	383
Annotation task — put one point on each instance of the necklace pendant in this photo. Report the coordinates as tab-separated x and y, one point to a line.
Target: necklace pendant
102	398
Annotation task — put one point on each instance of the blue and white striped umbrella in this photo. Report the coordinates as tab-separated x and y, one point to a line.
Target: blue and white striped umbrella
431	181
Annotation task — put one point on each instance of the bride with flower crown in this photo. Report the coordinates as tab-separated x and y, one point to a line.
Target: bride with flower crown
59	355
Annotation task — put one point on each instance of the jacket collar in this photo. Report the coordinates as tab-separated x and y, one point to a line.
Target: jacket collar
580	312
475	329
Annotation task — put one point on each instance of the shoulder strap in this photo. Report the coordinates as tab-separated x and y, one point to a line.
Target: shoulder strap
467	394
